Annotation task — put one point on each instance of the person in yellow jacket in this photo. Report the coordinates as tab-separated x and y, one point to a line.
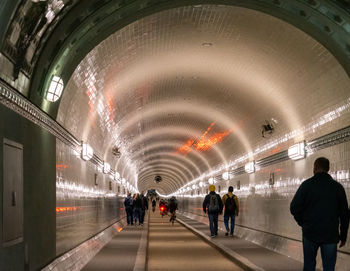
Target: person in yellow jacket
231	204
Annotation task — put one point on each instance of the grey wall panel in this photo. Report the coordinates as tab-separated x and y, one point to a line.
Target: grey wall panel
83	209
38	193
265	208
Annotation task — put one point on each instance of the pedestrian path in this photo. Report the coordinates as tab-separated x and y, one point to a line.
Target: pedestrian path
125	252
262	258
175	248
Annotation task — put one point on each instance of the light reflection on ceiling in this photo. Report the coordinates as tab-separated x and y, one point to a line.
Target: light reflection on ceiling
204	143
154	95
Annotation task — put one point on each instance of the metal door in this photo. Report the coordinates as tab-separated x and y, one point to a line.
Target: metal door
12	193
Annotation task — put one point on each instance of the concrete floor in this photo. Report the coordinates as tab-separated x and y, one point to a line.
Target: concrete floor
260	256
176	248
120	253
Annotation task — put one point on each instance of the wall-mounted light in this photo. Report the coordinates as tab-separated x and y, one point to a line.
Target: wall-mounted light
211	180
87	152
249	167
201	184
123	181
194	186
297	151
226	176
116	175
55	89
106	167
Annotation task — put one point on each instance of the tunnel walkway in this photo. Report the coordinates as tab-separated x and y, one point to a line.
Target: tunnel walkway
186	245
177	248
257	255
125	252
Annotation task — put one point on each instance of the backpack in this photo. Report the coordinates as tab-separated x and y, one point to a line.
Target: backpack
173	204
128	202
230	205
213	204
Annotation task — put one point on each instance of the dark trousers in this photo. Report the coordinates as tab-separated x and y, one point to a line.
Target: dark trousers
142	215
227	217
328	254
213	223
137	215
129	215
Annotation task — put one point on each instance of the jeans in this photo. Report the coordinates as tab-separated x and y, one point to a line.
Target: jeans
226	219
129	215
213	223
328	254
137	215
142	215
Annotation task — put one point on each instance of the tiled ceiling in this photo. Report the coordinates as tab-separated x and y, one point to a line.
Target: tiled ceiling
166	79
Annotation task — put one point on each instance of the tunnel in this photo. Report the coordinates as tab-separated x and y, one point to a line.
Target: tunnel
103	98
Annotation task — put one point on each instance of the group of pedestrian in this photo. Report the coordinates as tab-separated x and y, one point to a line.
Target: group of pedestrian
135	208
214	205
319	206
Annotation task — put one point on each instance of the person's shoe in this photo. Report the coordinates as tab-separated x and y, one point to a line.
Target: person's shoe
212	236
231	234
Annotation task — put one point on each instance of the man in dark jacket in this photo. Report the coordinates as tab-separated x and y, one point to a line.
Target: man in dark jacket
213	204
128	204
318	206
144	207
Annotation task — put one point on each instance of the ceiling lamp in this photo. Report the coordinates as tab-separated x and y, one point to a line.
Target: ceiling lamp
249	167
211	180
87	152
226	176
55	89
297	151
123	181
201	184
106	167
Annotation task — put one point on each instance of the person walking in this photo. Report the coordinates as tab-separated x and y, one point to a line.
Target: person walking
154	205
230	201
128	205
143	208
137	209
172	208
213	205
318	206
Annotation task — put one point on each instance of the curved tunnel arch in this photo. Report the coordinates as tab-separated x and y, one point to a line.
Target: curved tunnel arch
129	120
308	16
165	165
173	163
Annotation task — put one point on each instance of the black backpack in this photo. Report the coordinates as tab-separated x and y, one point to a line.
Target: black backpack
230	205
213	204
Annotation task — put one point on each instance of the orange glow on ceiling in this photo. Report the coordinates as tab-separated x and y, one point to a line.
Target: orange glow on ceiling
204	143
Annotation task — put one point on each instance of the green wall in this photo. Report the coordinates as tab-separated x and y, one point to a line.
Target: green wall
39	192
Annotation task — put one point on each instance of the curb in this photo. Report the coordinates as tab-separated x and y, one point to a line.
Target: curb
227	252
141	261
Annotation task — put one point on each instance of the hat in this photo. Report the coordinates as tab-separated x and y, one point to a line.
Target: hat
212	188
